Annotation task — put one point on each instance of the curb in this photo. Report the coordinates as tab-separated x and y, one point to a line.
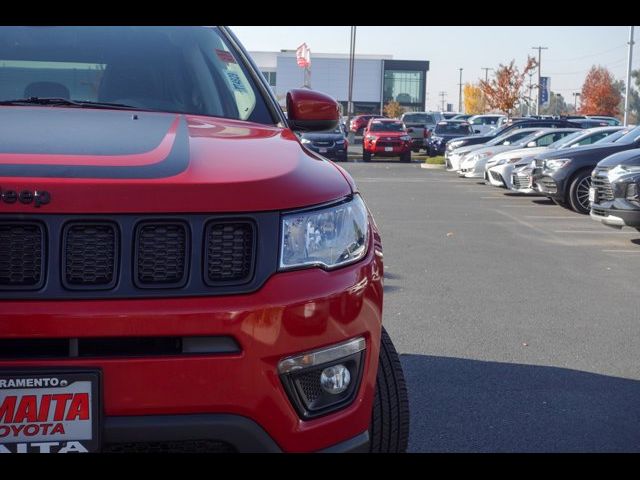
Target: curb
432	167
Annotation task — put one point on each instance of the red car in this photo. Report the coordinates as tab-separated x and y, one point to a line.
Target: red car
177	272
386	138
359	123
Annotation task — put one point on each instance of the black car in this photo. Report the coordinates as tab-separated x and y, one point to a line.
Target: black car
331	144
615	190
565	175
531	123
445	131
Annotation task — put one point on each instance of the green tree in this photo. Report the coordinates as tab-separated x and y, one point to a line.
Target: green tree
557	106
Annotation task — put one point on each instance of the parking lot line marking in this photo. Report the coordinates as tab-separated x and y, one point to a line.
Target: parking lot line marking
593	231
528	205
554	217
621	251
491	198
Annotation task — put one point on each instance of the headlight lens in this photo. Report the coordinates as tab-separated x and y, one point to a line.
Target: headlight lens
328	237
556	164
630	168
371	137
339	142
406	138
305	141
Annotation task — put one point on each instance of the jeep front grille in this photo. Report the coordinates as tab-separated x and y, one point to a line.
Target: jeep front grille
21	255
58	256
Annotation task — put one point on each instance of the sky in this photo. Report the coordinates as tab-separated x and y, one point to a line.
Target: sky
572	50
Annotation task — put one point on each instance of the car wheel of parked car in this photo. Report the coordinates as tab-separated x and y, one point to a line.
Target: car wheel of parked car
366	156
405	157
579	192
389	430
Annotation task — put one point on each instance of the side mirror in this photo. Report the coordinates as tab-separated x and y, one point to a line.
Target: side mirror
310	111
531	144
409	130
476	131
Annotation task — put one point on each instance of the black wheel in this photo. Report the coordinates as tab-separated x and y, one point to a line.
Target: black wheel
389	430
405	157
366	156
579	192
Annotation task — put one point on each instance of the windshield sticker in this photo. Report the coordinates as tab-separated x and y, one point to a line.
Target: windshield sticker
225	56
236	81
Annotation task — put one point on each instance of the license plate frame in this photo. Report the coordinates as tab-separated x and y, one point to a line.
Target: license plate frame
322	150
388	149
34	436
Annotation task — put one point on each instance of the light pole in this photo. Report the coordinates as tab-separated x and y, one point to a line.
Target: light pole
352	51
442	95
539	70
626	97
460	93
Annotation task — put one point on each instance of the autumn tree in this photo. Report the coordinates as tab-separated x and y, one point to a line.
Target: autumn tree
599	93
503	92
393	109
474	101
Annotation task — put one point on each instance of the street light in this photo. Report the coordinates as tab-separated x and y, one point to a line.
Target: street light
575	101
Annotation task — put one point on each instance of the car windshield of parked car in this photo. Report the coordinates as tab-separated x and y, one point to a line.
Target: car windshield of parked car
630	137
419	118
172	69
512	137
566	141
387	127
453	129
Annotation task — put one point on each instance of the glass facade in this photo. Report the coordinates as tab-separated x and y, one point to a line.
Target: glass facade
405	82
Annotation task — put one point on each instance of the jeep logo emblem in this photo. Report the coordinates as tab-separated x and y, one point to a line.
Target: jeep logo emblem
36	197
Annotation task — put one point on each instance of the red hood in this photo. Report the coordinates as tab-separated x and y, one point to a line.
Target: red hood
103	161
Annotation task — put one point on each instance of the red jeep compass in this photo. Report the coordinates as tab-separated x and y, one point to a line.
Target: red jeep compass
176	271
386	138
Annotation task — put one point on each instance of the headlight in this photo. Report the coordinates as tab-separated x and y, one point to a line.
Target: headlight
455	144
406	138
630	168
328	237
500	162
305	140
339	142
371	137
436	139
514	160
556	164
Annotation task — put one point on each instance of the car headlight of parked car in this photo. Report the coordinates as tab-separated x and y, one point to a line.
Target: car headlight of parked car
455	144
371	138
304	141
406	138
327	237
339	142
556	164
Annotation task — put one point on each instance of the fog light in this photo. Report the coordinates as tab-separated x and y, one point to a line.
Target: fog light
335	379
632	192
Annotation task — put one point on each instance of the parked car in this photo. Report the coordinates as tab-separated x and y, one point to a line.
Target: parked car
615	190
176	270
386	138
525	123
483	124
499	168
453	159
359	123
421	125
443	132
473	164
449	115
565	176
331	144
522	177
610	120
462	116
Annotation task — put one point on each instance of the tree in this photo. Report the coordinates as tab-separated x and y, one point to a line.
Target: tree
393	109
557	105
474	101
599	93
504	91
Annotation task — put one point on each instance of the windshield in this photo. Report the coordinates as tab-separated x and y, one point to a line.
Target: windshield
173	69
613	137
387	127
511	136
529	138
566	141
418	118
453	129
629	137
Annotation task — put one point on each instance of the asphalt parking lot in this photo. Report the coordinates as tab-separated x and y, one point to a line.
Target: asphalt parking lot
518	321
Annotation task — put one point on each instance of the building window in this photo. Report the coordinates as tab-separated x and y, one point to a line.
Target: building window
270	77
404	86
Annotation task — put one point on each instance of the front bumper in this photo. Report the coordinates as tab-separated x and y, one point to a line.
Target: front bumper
293	312
201	433
381	151
611	216
335	153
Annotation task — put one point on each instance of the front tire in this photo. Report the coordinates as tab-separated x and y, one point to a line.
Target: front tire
389	430
366	156
579	193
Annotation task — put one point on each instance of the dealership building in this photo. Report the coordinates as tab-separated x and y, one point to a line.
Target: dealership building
377	79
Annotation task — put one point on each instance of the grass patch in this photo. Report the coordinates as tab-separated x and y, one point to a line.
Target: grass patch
439	160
